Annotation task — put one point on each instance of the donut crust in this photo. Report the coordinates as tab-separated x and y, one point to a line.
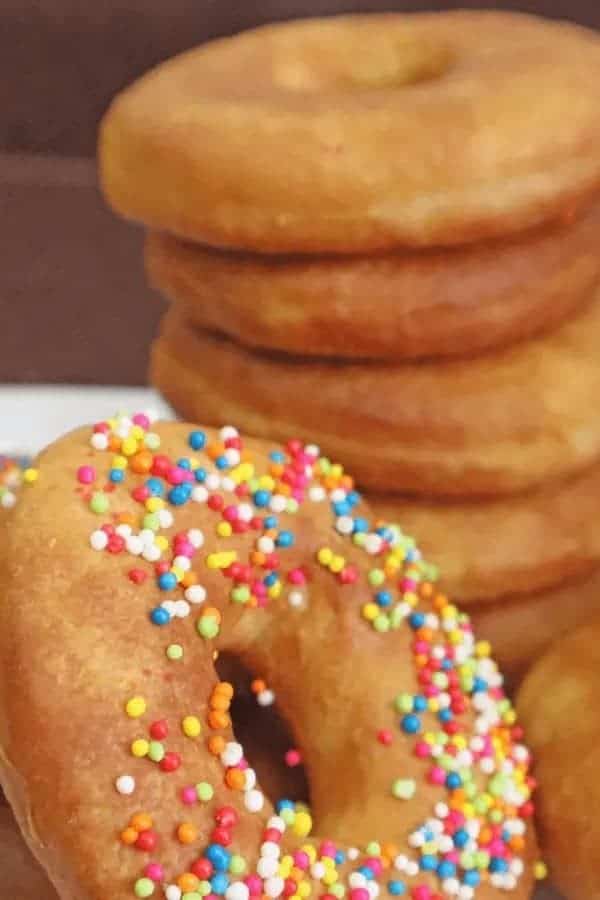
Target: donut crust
493	425
399	306
361	133
100	649
559	703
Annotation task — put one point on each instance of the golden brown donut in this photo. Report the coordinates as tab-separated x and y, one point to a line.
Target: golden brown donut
492	425
361	133
135	784
559	705
515	545
437	303
22	877
523	628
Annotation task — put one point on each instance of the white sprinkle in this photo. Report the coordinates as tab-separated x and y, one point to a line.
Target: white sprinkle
245	512
8	500
267	867
195	537
99	540
125	784
312	450
99	441
232	754
278	503
451	886
152	553
195	593
213	481
254	800
277	823
250	781
412	868
181	609
317	493
199	494
265	544
270	849
345	524
317	870
183	563
274	887
228	484
237	891
124	530
147	536
134	545
373	543
165	518
232	456
265	698
401	862
356	879
296	599
227	432
353	853
172	892
337	495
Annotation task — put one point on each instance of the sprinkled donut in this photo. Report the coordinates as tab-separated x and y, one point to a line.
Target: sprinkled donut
143	552
400	306
361	133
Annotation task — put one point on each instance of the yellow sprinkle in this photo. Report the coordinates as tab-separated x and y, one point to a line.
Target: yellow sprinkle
119	462
243	472
129	446
310	852
161	542
153	504
483	649
266	482
411	598
224	529
221	560
140	748
337	564
330	877
30	476
370	611
509	717
324	556
302	824
137	432
135	707
177	572
304	889
456	637
191	727
540	871
275	590
336	471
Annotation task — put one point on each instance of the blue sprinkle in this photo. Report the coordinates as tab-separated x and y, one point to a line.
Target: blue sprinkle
341	508
446	869
219	883
361	526
284	539
197	440
447	664
428	863
277	456
285	804
367	872
221	462
200	475
167	581
497	864
461	838
271	579
396	888
184	463
453	781
340	857
353	497
472	878
416	621
160	616
116	476
270	522
383	598
445	715
479	686
419	703
411	724
180	494
219	857
155	486
261	498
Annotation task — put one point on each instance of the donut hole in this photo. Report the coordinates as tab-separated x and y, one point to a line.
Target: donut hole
378	65
264	734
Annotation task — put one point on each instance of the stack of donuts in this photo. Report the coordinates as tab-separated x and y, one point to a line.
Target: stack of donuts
380	233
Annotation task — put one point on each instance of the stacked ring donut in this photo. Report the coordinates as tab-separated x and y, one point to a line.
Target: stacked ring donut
144	551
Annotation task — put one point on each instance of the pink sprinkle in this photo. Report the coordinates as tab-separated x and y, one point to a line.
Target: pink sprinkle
86	474
243	764
374	865
296	576
184	548
154	871
385	737
189	795
142	420
327	848
293	758
436	775
254	885
301	860
359	894
421	892
422	749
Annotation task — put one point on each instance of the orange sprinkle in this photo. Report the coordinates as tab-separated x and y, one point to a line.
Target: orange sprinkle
215	450
426	589
141	462
213	612
114	443
218	719
258	686
129	836
235	779
187	833
189	578
216	744
220	702
224	687
141	822
440	601
276	469
257	558
517	843
188	882
125	518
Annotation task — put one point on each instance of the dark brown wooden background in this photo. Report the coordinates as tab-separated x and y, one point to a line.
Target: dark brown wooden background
73	304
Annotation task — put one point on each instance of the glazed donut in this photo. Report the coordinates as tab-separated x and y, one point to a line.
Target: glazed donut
521	629
135	785
492	425
361	133
404	306
501	548
559	703
22	877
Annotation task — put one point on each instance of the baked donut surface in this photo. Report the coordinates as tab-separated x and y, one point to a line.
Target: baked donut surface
491	425
403	306
559	704
501	548
361	133
135	785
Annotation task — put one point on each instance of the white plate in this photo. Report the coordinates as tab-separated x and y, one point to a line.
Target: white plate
33	416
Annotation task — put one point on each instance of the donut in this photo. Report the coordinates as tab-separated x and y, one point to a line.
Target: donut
487	426
22	877
404	305
361	133
521	629
511	546
559	703
135	785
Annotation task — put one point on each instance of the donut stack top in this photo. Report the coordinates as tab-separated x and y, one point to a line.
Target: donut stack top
143	550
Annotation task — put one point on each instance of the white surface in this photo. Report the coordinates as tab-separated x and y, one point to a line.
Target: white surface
34	415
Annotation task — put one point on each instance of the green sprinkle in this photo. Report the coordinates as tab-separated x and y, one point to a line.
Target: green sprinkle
205	888
192	895
404	788
237	865
174	652
373	848
152	440
381	623
337	889
156	751
144	887
404	703
205	791
207	627
288	816
99	504
151	521
376	577
240	594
